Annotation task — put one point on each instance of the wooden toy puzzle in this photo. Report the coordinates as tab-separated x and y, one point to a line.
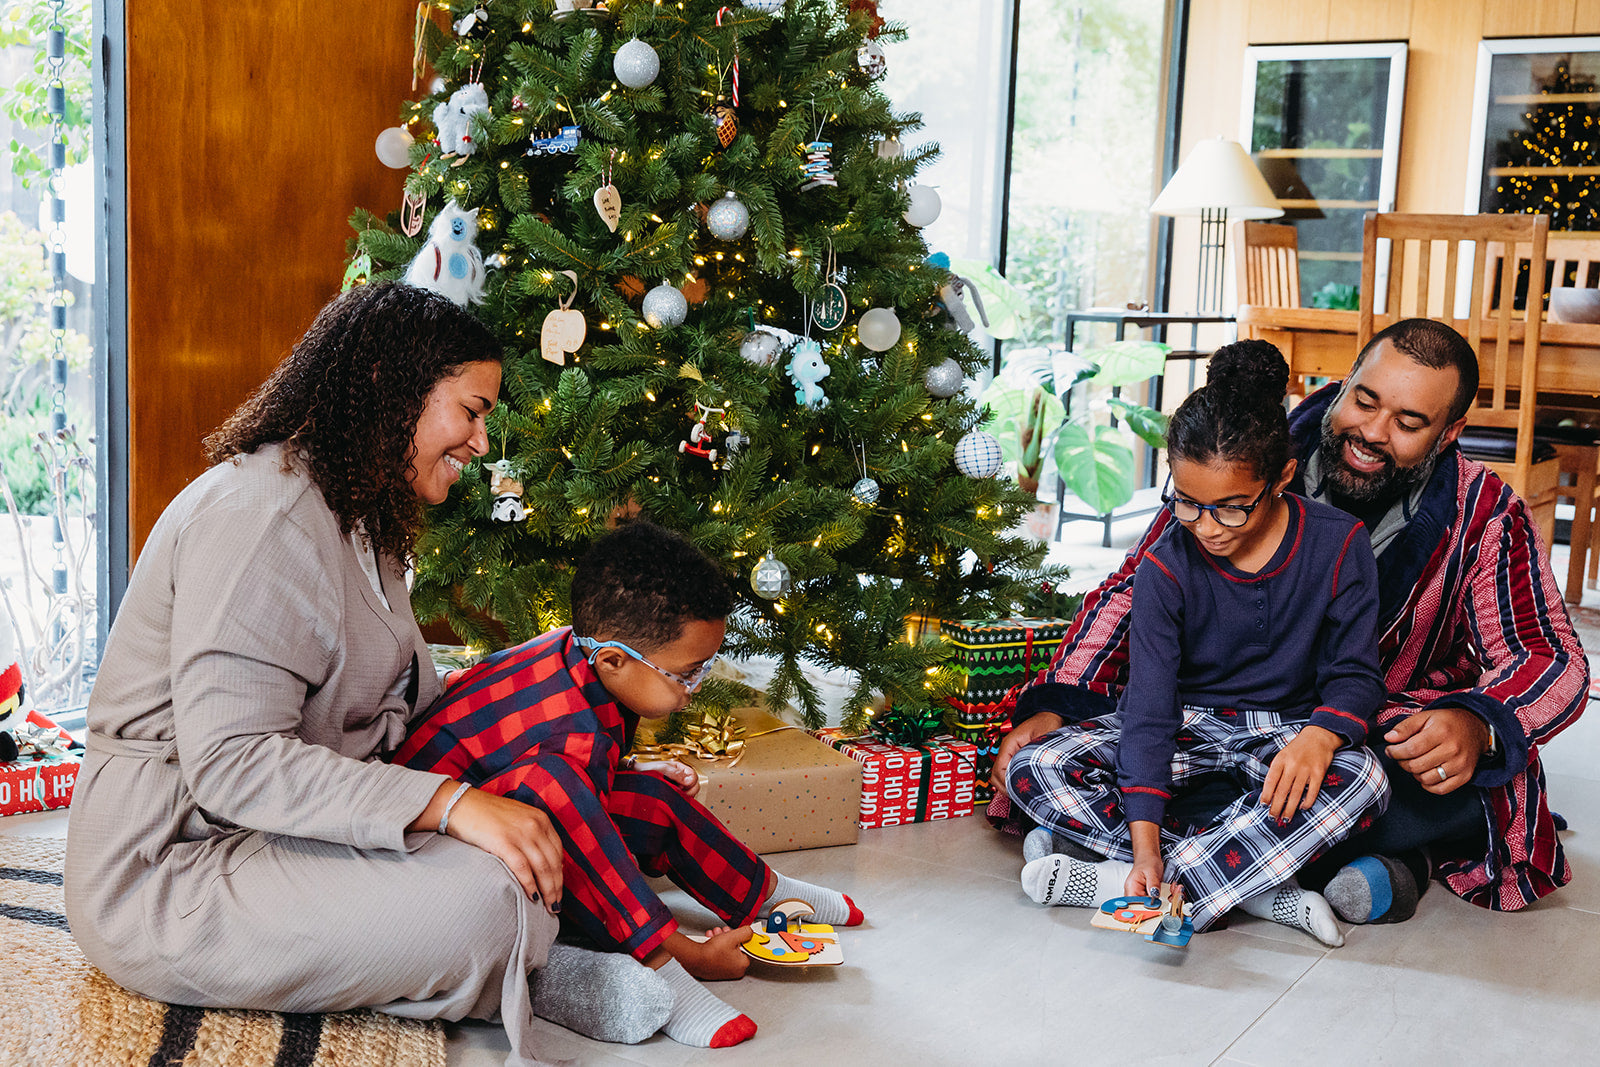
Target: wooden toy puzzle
785	938
1160	919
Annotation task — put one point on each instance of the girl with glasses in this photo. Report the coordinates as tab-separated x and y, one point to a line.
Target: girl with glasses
1253	662
550	723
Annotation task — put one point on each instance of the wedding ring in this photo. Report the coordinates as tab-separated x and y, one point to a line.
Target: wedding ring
1443	777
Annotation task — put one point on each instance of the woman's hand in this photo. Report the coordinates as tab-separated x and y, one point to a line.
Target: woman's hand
685	777
1296	772
519	834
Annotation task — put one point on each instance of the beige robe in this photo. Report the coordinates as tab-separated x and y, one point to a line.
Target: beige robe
235	838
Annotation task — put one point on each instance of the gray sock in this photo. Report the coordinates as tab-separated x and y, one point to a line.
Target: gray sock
1373	889
698	1017
604	995
828	905
1041	842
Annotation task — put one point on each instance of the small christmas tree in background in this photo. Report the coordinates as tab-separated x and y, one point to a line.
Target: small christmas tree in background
699	242
1562	133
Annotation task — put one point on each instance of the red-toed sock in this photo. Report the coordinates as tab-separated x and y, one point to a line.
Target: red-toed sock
700	1018
828	905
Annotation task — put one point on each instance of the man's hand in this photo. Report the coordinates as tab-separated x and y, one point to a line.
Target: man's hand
679	774
1295	775
1451	739
1031	730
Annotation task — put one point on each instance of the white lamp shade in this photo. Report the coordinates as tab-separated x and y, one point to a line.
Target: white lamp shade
1218	174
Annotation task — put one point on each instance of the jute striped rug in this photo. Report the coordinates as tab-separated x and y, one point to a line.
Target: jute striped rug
58	1011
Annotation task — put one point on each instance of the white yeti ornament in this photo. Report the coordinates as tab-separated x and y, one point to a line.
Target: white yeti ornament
450	262
453	118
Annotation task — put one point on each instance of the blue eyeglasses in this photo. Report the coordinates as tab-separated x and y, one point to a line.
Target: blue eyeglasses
690	682
1230	515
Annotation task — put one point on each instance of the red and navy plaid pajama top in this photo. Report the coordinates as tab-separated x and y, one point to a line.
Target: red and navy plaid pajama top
535	723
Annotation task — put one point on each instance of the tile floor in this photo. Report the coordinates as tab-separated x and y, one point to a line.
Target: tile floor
956	966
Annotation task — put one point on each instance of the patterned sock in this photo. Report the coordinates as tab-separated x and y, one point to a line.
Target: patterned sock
604	995
1042	842
1057	879
699	1018
831	906
1377	889
1301	908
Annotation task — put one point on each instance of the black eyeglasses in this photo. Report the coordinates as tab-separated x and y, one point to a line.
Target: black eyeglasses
1230	515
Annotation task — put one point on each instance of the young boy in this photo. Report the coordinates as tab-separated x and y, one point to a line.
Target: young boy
549	722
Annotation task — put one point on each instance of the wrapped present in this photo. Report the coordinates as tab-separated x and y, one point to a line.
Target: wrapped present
902	783
774	786
45	770
985	739
995	654
971	714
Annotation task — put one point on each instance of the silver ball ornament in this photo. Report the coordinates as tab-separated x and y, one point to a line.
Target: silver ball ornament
865	492
944	379
978	454
728	218
924	207
771	578
665	306
394	147
760	347
771	7
879	329
636	64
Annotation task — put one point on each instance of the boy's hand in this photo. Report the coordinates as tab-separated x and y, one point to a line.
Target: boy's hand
1148	867
679	774
1296	773
1031	730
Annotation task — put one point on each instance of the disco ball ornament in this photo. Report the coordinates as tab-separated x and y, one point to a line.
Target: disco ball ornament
978	454
665	306
925	206
944	379
771	578
865	492
870	58
760	347
728	218
636	64
394	147
879	329
770	7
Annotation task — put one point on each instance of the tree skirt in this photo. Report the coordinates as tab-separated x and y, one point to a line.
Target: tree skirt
58	1011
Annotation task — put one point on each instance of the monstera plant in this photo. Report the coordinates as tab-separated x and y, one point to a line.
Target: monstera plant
1094	449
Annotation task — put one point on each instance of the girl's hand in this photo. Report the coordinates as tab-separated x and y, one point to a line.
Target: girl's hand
1296	772
1148	867
678	773
519	834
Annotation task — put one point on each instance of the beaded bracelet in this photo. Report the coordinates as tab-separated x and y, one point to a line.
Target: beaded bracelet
444	820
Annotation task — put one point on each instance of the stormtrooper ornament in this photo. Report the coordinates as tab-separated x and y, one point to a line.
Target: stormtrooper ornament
508	506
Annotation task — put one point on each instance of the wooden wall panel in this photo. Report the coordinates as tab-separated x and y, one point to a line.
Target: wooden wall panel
1528	18
1441	65
250	131
1275	22
1586	16
1370	20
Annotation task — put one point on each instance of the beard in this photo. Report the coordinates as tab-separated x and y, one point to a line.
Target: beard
1385	485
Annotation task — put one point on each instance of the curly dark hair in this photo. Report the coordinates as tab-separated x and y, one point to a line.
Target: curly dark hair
641	584
347	399
1238	415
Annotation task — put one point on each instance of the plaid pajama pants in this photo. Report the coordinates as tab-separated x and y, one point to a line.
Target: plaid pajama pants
643	826
1067	780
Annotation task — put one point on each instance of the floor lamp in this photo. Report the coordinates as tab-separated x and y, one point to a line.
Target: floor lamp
1217	181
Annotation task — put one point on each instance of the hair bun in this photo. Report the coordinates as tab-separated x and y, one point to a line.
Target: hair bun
1249	372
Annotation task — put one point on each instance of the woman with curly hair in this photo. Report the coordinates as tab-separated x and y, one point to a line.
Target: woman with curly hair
237	838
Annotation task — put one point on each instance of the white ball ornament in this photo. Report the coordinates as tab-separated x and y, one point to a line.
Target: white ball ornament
636	64
394	147
944	379
925	206
665	306
978	454
728	218
879	329
760	347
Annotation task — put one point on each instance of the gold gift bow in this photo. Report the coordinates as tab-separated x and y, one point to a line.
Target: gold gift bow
710	740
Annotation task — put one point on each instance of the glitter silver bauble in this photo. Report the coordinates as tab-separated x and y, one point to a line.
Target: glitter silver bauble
728	218
944	379
865	492
665	306
636	64
771	578
978	454
760	347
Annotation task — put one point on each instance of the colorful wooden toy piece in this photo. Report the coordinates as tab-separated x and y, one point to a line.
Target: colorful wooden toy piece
1159	919
786	939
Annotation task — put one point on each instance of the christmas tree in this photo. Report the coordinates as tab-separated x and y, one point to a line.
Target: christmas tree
1549	165
697	237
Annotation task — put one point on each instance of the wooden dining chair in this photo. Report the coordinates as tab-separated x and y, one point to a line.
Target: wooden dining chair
1438	268
1267	258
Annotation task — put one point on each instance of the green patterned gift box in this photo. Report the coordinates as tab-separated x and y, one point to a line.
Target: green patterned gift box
995	654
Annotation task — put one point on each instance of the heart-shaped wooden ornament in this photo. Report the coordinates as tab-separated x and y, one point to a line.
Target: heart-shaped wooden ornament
608	202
